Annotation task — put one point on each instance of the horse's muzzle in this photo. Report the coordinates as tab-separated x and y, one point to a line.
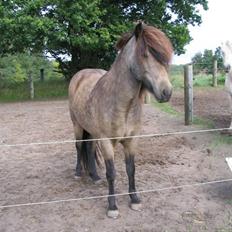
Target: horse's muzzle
165	95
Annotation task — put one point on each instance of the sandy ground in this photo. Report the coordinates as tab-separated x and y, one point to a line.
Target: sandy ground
46	172
209	103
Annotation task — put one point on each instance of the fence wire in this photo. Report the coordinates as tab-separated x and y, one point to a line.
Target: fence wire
116	195
117	138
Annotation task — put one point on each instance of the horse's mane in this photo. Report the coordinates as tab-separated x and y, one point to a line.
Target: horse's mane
153	39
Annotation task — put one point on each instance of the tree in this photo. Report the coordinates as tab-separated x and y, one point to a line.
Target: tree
204	62
15	69
80	34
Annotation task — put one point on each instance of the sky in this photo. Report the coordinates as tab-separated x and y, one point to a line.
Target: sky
216	28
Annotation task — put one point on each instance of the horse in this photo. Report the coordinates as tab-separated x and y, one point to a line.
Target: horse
106	104
227	58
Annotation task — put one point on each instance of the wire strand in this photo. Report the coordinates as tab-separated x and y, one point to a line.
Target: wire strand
117	194
116	138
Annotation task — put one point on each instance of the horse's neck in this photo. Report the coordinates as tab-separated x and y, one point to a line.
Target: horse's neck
118	90
126	88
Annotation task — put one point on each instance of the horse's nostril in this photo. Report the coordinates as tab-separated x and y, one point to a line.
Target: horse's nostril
165	93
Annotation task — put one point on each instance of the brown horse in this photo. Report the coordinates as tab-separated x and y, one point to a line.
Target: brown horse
109	104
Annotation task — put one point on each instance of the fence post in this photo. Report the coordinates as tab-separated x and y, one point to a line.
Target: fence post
41	74
188	93
147	98
215	73
31	86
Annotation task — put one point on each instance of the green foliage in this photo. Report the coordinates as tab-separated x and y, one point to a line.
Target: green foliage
176	70
14	69
86	30
204	62
176	74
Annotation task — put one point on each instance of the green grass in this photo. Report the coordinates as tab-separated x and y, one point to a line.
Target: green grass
166	107
229	201
206	80
206	123
53	89
177	81
201	80
220	139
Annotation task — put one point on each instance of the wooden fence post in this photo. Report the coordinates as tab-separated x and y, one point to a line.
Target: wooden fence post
188	93
31	86
147	98
215	73
41	74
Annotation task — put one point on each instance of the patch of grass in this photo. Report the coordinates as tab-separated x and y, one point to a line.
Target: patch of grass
203	122
177	81
166	107
201	80
52	89
229	201
220	140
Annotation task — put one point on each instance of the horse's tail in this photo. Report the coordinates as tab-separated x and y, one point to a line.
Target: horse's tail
99	156
85	158
83	154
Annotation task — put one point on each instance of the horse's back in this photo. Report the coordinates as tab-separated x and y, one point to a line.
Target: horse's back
80	88
86	79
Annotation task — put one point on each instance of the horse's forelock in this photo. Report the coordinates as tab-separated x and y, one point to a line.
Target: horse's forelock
153	39
158	44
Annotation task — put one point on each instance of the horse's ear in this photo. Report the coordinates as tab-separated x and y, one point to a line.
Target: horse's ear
138	30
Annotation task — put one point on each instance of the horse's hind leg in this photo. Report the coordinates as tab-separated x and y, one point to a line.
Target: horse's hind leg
78	135
78	165
91	150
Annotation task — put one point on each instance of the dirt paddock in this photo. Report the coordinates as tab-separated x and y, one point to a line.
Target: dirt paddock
46	173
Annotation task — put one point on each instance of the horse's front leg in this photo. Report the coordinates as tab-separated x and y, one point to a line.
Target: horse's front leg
108	154
130	169
110	175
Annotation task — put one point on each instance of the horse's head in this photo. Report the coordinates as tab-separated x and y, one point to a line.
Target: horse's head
148	53
227	55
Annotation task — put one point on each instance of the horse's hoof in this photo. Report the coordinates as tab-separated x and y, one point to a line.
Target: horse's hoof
136	206
77	177
98	182
95	178
113	214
